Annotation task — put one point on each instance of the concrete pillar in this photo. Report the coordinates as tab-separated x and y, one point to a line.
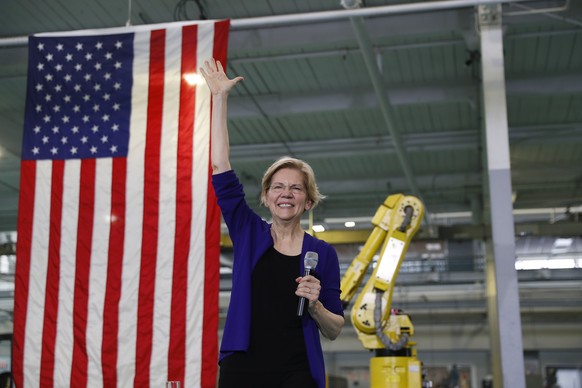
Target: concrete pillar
502	281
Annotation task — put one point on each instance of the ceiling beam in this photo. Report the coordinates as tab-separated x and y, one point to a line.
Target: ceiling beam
481	232
242	107
412	142
271	39
383	103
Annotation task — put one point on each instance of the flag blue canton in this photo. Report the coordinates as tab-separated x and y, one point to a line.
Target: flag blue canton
79	97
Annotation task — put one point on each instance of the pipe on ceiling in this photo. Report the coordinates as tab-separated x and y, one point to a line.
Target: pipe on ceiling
324	16
384	104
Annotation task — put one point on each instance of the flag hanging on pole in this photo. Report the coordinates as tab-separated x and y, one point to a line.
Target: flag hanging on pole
118	228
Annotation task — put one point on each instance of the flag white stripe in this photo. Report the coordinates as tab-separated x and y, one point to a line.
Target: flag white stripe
37	281
133	214
70	220
167	209
196	270
98	270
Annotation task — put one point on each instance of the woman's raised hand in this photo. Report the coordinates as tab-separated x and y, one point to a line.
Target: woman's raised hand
216	78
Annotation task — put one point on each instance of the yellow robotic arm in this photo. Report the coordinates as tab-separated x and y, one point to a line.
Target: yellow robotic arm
379	328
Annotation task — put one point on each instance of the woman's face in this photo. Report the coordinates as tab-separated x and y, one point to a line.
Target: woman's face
287	195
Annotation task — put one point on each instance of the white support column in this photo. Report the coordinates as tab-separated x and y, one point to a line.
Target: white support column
506	336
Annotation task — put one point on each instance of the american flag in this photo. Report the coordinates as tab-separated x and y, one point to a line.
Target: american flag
118	229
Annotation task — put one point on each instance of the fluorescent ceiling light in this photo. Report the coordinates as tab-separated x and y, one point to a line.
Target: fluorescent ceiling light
547	264
318	228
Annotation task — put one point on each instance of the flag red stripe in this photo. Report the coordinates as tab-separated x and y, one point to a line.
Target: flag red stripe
150	211
82	266
47	363
177	345
209	365
23	249
114	272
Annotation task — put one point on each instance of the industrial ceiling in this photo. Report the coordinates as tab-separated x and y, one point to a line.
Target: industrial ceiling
309	92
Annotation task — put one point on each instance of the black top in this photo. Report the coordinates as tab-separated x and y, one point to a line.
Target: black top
277	342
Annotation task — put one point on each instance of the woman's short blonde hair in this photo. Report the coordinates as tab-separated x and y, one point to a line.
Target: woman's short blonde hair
311	190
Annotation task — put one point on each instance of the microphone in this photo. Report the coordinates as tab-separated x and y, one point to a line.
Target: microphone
309	263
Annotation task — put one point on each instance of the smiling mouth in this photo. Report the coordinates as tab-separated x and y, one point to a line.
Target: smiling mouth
285	205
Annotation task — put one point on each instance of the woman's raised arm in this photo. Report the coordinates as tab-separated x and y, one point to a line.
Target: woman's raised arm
220	86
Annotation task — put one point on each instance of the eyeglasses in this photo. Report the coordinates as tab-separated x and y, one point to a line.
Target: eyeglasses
278	188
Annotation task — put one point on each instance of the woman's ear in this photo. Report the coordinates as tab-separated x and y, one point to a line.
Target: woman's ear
308	205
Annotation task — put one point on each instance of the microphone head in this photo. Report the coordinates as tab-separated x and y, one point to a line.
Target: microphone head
310	260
